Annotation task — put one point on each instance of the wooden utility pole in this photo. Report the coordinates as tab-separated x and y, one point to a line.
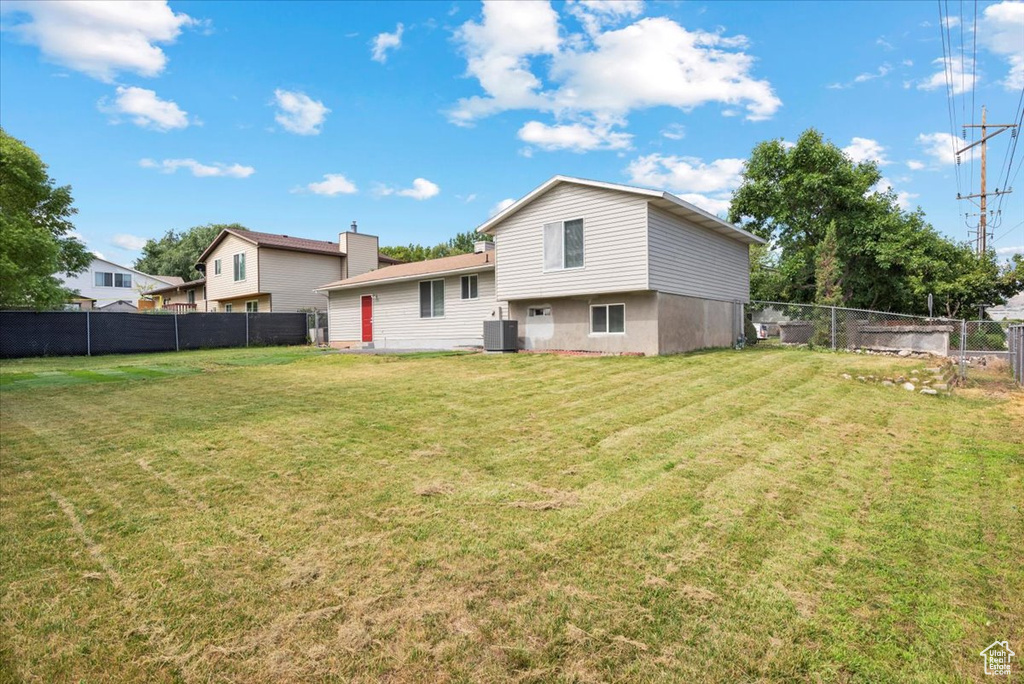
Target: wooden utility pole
983	195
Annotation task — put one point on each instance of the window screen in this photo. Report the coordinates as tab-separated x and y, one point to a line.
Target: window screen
574	243
469	287
431	298
552	246
216	267
616	318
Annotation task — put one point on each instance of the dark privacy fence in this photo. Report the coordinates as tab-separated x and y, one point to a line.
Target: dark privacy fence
81	333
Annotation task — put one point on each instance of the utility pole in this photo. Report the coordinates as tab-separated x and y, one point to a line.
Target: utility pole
983	195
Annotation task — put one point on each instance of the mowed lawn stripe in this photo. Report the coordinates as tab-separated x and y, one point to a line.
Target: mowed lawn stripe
729	515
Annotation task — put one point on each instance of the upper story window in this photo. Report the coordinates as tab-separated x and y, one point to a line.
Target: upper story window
103	279
469	287
431	298
216	267
239	266
563	245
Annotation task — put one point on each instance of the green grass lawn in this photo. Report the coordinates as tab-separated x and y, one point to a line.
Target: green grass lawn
290	515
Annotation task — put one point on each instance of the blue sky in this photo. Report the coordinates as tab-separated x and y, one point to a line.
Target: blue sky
418	119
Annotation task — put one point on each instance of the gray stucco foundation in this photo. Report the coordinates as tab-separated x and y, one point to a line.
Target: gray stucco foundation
656	323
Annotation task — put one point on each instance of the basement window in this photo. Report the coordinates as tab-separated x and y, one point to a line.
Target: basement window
432	299
606	319
538	311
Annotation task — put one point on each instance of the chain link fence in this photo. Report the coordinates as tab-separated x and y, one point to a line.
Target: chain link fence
880	332
317	326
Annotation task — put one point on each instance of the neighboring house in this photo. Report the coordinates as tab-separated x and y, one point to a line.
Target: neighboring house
250	271
580	264
188	296
1012	310
105	283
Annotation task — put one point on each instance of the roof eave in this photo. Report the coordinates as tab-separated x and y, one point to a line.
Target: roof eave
333	287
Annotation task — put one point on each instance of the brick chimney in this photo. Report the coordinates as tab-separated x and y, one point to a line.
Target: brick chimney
360	252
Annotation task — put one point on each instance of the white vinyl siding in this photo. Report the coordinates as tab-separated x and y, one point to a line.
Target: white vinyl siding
689	260
614	245
396	314
291	276
223	286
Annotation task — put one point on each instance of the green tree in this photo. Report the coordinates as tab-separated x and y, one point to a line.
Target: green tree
824	219
175	254
462	243
36	242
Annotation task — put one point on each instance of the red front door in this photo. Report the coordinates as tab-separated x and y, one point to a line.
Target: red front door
367	307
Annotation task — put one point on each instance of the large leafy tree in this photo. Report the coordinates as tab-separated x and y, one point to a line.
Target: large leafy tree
175	254
36	233
462	243
834	238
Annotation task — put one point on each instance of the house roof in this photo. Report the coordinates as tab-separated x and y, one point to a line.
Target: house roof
180	286
461	263
164	279
659	198
287	242
173	280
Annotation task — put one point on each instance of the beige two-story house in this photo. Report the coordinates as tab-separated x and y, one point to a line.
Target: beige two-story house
265	272
582	265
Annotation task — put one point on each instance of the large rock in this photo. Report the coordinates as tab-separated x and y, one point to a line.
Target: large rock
909	386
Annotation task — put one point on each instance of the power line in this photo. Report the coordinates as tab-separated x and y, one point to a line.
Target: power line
974	82
946	62
1011	149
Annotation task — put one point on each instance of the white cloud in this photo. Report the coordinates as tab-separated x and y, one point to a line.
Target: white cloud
299	113
941	147
98	254
959	76
903	198
518	55
1001	31
674	131
866	150
595	15
709	186
870	76
421	189
100	38
130	242
915	165
577	137
502	206
332	184
199	170
145	109
386	41
1015	249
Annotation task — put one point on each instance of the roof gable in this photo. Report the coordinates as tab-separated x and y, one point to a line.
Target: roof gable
660	198
285	242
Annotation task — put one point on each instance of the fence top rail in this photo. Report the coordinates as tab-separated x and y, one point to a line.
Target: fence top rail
845	308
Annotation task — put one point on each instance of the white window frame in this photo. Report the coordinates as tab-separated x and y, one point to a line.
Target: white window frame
607	319
473	283
123	277
544	256
103	273
543	311
419	303
216	267
235	261
228	308
255	306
